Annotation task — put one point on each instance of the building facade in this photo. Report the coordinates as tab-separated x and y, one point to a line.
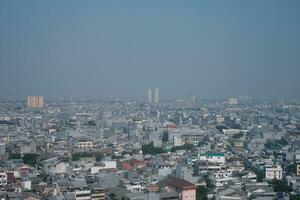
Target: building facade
35	101
3	179
273	172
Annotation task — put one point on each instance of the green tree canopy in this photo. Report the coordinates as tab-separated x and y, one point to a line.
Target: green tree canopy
30	159
150	149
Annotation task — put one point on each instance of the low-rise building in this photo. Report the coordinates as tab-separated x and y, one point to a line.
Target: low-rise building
186	190
297	162
3	179
84	144
103	165
213	158
273	172
97	193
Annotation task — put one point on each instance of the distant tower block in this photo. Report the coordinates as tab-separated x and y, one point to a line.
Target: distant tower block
233	101
193	99
156	95
149	96
35	101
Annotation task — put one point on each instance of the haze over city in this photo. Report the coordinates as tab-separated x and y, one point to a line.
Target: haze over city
115	49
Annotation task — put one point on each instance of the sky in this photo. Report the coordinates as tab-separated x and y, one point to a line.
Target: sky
118	49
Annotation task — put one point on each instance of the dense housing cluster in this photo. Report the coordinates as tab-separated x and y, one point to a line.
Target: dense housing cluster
186	149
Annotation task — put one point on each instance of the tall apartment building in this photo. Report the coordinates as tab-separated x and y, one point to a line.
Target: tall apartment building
233	101
149	95
153	96
35	101
156	95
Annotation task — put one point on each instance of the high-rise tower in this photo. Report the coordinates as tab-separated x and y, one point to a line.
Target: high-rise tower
35	101
156	95
149	95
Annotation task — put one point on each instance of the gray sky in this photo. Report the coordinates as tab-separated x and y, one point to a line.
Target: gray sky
210	49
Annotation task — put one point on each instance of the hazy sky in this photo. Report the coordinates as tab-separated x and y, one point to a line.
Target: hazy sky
210	49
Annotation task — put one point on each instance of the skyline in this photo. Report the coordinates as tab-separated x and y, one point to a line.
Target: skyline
118	49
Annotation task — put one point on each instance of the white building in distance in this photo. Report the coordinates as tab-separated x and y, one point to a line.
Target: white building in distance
273	172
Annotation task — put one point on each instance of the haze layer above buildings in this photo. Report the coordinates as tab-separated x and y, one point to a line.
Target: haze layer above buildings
116	49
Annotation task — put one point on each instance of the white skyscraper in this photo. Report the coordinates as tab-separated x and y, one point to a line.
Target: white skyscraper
149	95
156	95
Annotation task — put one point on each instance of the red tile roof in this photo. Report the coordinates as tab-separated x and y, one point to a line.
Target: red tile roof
179	183
126	166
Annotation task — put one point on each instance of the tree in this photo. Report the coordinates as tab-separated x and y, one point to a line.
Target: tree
282	141
235	126
150	149
295	197
238	135
277	144
208	182
201	193
30	159
112	196
183	147
281	186
291	169
14	156
271	145
78	155
98	157
91	123
259	173
221	127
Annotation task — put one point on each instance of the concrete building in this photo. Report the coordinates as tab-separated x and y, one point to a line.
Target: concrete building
103	165
84	144
220	178
230	193
184	173
156	95
239	144
3	179
297	162
35	101
233	101
177	141
298	169
273	172
2	149
213	158
186	190
97	192
153	96
79	189
149	97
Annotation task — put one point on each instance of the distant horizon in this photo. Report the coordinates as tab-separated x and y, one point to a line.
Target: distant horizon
144	99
